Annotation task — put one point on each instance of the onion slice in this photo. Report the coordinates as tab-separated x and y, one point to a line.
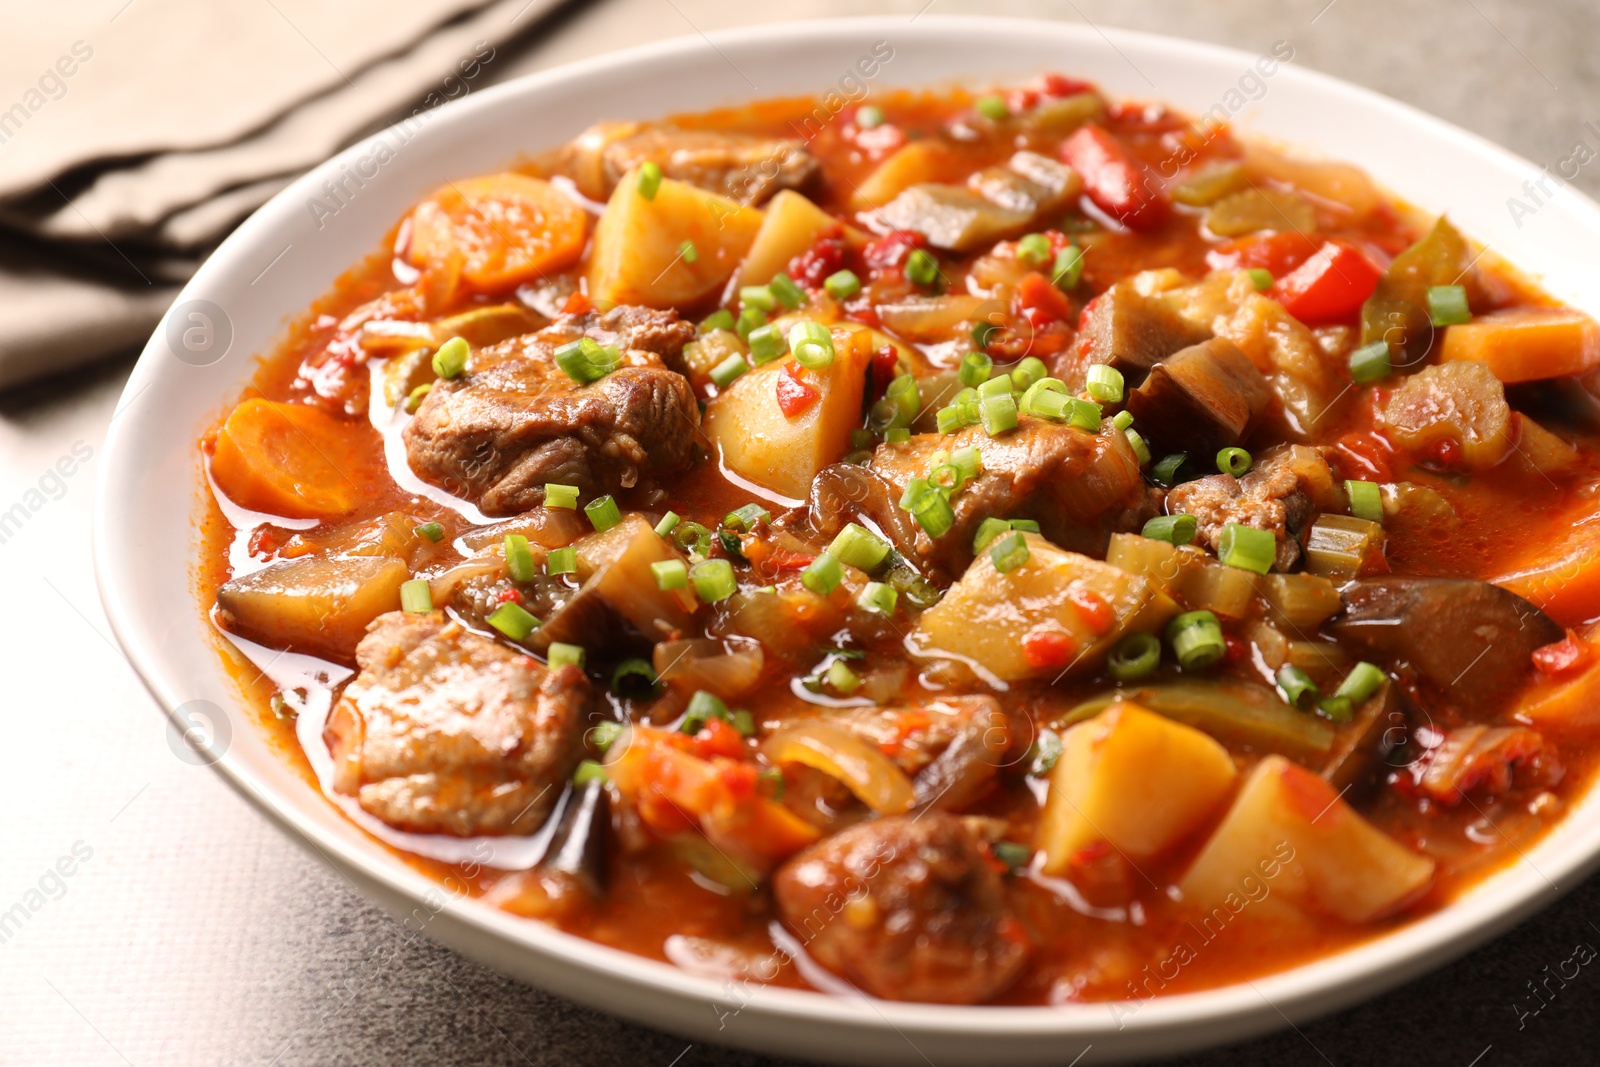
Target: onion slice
875	780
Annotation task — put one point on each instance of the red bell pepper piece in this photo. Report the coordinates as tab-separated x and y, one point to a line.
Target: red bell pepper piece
794	395
1328	288
1114	180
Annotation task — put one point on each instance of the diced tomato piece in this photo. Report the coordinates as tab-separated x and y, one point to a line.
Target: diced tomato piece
1061	85
577	304
1035	294
885	363
1048	649
1237	649
1092	607
1279	253
505	596
795	397
1562	658
1116	183
718	738
1368	453
812	267
1328	288
892	248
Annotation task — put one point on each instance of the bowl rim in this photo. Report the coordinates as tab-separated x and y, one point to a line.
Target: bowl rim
1322	984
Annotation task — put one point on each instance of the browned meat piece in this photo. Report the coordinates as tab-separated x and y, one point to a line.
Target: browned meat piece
444	731
1080	487
906	908
514	420
741	167
1201	398
1133	332
1283	492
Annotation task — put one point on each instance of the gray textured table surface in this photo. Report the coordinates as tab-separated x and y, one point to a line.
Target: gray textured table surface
194	933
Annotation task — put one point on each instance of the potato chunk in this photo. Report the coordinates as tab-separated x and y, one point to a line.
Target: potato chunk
1290	828
1057	612
639	254
791	226
1133	779
312	604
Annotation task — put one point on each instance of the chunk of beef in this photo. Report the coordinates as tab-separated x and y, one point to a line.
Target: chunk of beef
1080	487
444	731
1133	332
906	908
514	420
1282	493
1201	398
741	167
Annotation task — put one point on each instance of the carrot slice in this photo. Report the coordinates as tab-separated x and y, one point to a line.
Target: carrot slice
1528	343
506	229
291	460
1571	701
1563	581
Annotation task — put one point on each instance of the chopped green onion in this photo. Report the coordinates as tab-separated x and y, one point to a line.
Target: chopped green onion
1447	305
586	360
721	319
766	344
869	116
1122	420
878	597
758	296
513	620
733	546
415	397
823	576
668	521
1174	529
1370	363
415	597
1261	278
860	440
859	547
993	108
747	517
560	654
1298	688
670	574
1044	753
561	561
842	678
1167	470
1140	449
649	179
1012	854
1030	370
692	537
1009	552
1068	268
1046	398
744	722
933	513
905	398
975	368
812	344
605	735
949	419
916	487
788	293
969	461
1105	383
1025	525
1083	414
1134	657
703	707
1247	548
921	268
1337	708
432	531
1366	500
998	413
1234	461
713	580
982	332
1363	680
1196	639
589	771
897	435
557	495
750	320
729	370
988	530
688	252
842	284
451	359
519	559
1033	249
603	512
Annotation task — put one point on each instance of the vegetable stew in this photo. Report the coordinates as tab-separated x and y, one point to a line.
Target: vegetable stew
986	548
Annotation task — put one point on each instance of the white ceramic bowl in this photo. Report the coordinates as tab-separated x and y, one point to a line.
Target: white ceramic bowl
290	251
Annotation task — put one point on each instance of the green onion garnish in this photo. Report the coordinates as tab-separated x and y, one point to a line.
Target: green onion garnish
744	722
758	296
1167	471
1033	249
1363	680
1104	383
519	559
949	419
812	344
1337	708
414	398
1234	461
589	771
766	344
823	576
630	673
1013	854
1068	269
869	116
1247	548
1028	372
842	678
750	320
1174	529
878	597
1447	305
560	654
692	537
667	523
1261	278
933	513
670	574
725	373
1297	686
993	108
1137	443
1046	398
921	268
969	459
904	398
842	284
1370	363
975	369
859	547
1083	414
557	495
451	359
916	488
649	179
788	293
688	252
1196	639
703	707
998	413
432	531
605	735
713	580
1009	552
747	517
1134	657
415	597
721	319
988	530
561	561
586	360
1366	500
603	512
983	333
1122	420
513	620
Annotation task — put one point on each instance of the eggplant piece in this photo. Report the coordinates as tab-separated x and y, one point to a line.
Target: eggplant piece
318	605
1361	745
572	871
1133	332
960	774
1466	639
1201	398
952	217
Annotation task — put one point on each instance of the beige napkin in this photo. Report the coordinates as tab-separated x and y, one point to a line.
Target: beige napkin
141	133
